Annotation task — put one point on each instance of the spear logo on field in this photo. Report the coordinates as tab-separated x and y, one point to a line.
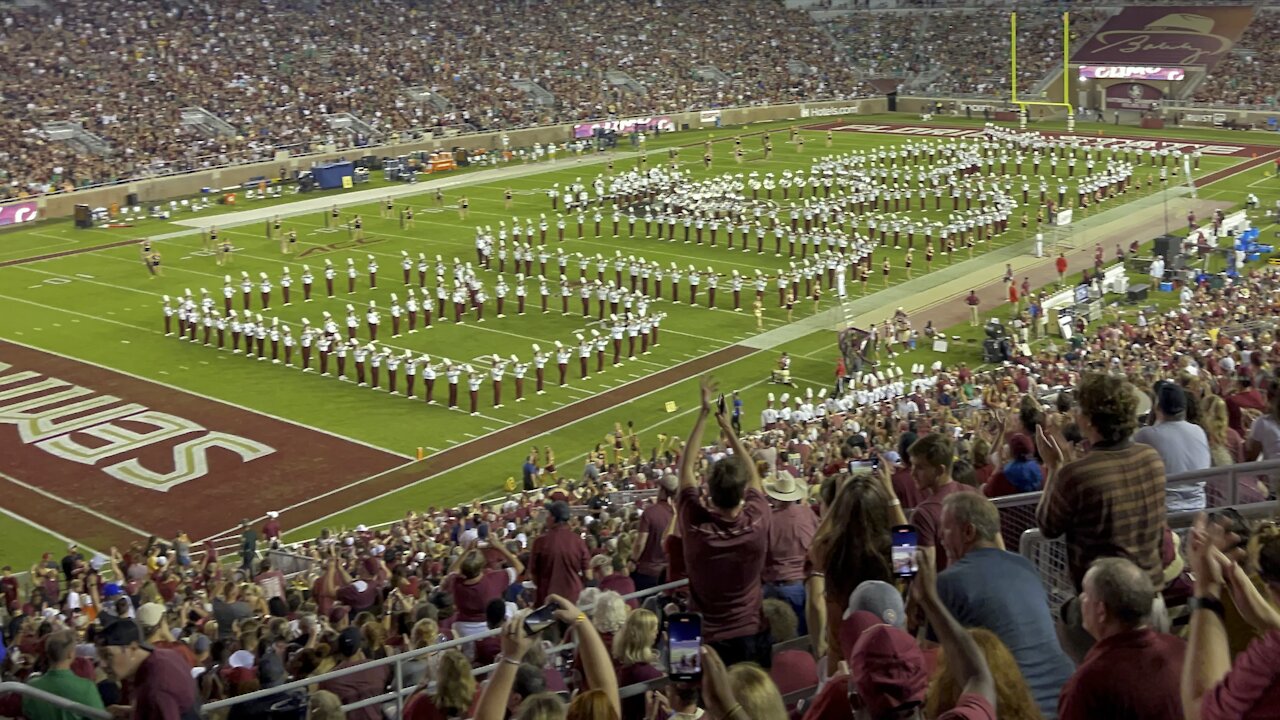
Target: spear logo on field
338	246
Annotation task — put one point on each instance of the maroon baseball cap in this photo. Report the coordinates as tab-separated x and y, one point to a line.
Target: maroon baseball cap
888	669
851	629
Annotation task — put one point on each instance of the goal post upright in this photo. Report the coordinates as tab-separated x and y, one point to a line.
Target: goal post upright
1066	72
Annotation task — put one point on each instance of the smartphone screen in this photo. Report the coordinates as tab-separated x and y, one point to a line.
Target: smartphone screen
684	646
540	619
903	551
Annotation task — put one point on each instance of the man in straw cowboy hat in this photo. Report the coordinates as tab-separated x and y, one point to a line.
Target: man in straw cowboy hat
791	531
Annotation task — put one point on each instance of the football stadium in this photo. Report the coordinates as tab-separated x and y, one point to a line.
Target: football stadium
735	359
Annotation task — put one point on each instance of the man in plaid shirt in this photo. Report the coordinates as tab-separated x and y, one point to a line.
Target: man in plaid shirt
1107	503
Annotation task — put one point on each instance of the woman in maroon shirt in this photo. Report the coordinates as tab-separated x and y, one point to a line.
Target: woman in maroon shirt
325	589
634	657
473	587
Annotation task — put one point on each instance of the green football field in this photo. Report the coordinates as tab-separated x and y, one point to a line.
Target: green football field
102	307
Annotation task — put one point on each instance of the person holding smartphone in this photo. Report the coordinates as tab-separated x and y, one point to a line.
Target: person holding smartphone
886	671
725	543
931	460
517	638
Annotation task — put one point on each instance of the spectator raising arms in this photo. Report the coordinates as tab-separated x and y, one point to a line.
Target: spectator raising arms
516	643
1214	687
725	543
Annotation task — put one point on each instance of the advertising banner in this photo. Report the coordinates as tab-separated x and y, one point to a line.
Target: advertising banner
1133	96
1130	72
623	127
1166	35
15	213
807	111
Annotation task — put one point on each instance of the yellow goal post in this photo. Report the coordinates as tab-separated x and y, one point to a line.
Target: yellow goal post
1066	73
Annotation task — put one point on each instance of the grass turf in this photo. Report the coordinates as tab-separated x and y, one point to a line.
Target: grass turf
88	305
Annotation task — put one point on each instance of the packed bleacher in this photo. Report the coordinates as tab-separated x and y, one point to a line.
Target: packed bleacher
958	51
273	71
1247	78
781	540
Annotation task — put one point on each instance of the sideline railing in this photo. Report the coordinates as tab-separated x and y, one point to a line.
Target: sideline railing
1222	488
399	692
57	701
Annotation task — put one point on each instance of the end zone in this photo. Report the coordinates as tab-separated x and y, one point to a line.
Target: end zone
84	445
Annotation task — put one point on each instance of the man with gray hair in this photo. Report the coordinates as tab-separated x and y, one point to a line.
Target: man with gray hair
986	586
59	650
1132	670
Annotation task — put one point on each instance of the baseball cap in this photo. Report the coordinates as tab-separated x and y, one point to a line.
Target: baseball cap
111	590
851	628
881	600
1020	446
241	659
669	482
1171	399
122	633
350	641
888	669
559	511
150	615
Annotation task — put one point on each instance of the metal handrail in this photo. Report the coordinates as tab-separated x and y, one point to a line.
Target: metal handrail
55	700
399	692
1232	473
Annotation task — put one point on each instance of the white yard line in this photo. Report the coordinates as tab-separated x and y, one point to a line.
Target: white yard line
175	388
77	506
61	538
80	314
478	458
309	500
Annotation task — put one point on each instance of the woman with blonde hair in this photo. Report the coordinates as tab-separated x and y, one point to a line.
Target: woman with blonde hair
634	658
592	705
543	706
455	694
1224	442
755	691
324	705
1226	447
1013	696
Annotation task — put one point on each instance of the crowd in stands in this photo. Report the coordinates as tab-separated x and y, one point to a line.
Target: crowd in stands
782	532
273	71
1247	78
962	51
